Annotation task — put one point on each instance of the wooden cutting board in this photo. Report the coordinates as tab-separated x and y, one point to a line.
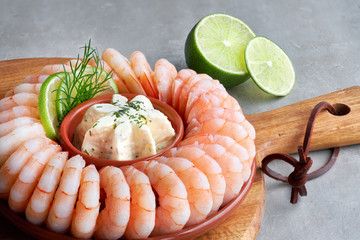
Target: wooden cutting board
279	130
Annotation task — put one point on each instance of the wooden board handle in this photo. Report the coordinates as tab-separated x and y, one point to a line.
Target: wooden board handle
283	129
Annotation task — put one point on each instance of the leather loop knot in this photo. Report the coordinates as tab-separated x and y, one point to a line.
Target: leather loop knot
299	176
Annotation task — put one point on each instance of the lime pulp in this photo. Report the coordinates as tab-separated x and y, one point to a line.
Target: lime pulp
269	66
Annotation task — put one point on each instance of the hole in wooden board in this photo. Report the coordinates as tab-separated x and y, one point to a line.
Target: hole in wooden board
341	109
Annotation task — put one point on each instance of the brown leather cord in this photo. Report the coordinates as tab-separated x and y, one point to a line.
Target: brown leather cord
299	176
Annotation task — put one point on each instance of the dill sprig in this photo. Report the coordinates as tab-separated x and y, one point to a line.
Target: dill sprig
80	84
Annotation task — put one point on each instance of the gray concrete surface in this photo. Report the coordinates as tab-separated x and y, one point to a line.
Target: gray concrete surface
322	38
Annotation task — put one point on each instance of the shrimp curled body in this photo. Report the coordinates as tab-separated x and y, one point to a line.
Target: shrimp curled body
113	219
88	205
39	204
62	208
142	205
174	209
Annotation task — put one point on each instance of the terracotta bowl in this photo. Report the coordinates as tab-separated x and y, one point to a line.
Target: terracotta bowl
74	117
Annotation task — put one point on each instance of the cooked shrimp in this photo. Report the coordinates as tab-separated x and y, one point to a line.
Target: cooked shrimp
184	94
11	125
55	68
113	219
35	79
142	204
249	145
231	168
73	62
20	99
119	82
28	178
220	112
199	88
246	143
234	130
234	116
87	207
143	72
25	87
10	142
174	210
197	187
61	210
221	127
231	146
163	76
122	68
39	204
208	166
18	111
215	98
12	167
182	76
249	128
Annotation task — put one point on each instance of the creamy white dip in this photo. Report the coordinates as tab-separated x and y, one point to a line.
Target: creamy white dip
123	130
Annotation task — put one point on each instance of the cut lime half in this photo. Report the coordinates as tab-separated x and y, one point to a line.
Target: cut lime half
81	85
269	66
216	46
47	109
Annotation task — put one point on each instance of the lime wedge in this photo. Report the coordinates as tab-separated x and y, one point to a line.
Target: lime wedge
269	66
47	109
82	96
216	46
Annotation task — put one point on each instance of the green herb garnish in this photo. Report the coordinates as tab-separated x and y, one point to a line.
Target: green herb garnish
137	118
81	84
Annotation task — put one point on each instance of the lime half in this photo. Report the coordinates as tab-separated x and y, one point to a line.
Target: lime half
216	46
47	109
269	66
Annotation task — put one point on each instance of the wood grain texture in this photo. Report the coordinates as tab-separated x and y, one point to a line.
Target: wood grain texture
14	71
243	223
283	129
